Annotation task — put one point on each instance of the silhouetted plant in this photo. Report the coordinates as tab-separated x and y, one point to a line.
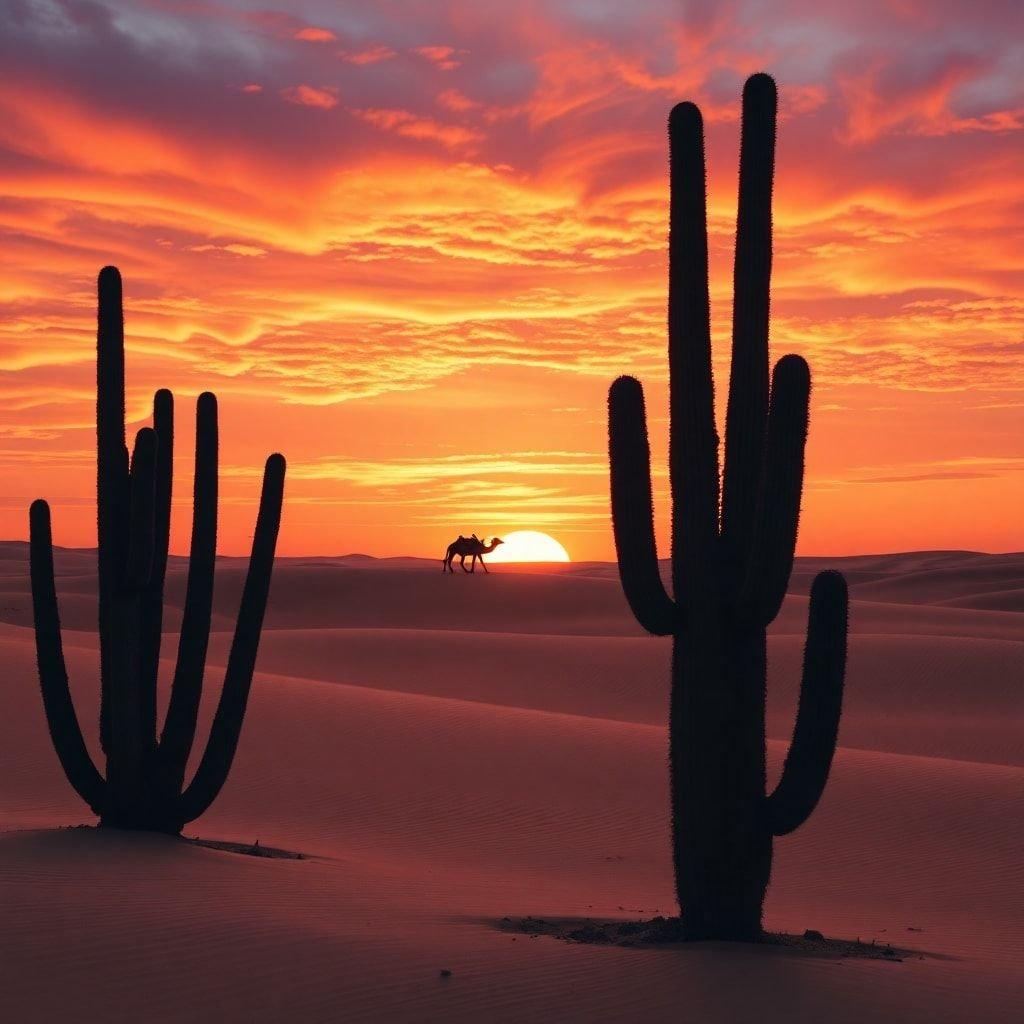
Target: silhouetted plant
732	553
144	783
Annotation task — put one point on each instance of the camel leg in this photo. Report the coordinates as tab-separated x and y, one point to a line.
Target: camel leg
462	562
484	564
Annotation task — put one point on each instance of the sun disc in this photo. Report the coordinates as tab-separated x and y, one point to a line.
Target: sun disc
529	546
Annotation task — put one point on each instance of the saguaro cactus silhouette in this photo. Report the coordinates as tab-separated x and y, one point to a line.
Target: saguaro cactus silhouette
144	783
732	549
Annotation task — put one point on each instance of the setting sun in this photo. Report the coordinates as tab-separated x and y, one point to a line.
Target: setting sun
529	546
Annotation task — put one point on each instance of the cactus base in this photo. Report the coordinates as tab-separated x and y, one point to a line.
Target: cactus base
141	823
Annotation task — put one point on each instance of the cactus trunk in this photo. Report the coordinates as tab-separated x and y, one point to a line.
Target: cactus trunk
732	549
143	787
721	850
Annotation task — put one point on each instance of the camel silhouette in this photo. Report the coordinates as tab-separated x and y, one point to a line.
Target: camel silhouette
463	546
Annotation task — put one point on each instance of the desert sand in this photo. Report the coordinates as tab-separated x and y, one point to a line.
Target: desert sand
447	751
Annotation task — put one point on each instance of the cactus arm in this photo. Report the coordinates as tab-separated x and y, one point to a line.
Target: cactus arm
693	439
633	508
748	382
771	559
183	709
61	719
112	463
151	619
141	539
821	699
227	722
111	478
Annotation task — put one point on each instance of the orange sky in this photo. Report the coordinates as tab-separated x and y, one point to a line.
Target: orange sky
410	244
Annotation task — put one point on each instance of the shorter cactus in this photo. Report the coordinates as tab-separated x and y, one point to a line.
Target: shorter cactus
143	787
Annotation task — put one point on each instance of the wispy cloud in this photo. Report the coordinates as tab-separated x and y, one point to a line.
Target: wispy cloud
371	55
409	125
309	96
442	56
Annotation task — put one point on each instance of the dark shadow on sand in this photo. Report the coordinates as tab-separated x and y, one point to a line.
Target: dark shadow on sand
247	849
666	933
155	840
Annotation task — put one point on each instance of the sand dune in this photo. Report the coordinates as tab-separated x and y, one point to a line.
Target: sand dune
447	752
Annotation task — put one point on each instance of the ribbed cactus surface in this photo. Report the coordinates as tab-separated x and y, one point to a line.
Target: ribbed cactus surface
143	786
733	540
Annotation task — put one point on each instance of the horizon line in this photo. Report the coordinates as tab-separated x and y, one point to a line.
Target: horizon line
582	561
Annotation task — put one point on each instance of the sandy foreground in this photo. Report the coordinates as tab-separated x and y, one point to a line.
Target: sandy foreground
446	751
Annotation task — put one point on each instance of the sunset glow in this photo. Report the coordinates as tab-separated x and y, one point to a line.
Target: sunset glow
410	246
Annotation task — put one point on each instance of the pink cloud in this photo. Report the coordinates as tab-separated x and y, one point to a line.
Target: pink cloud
997	121
312	34
884	98
308	96
439	55
371	56
455	100
404	122
252	87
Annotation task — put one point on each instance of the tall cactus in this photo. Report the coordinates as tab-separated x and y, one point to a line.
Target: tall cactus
732	549
143	787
